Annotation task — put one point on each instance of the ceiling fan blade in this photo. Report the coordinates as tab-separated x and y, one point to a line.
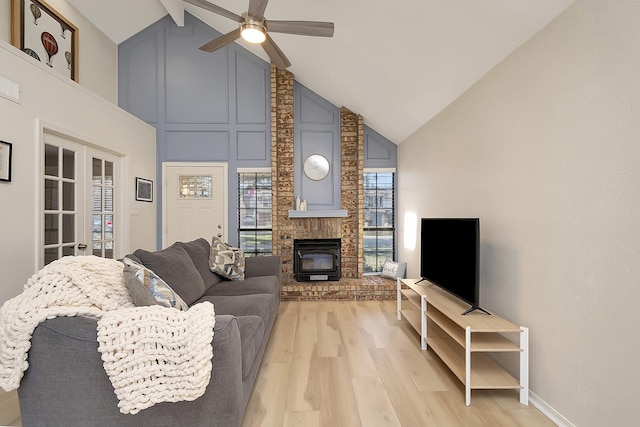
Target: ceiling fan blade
221	41
256	9
275	54
216	9
303	28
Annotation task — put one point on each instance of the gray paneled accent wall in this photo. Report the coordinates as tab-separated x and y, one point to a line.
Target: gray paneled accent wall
206	107
379	152
317	131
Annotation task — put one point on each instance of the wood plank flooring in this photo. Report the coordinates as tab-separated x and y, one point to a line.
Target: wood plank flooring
352	363
9	408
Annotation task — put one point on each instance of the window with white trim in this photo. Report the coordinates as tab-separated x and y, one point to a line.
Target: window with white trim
379	218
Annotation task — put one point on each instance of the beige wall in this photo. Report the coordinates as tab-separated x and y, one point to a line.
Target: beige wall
51	100
5	23
545	150
98	54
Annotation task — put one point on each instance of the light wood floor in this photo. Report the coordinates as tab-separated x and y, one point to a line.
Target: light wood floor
354	364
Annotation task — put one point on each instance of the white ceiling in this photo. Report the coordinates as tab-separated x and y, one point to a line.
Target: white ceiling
398	63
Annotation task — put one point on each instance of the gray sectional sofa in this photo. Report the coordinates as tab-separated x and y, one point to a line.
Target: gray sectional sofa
66	384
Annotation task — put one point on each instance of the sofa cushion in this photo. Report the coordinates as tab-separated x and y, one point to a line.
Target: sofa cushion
174	265
255	313
199	251
226	261
251	285
262	305
146	288
252	330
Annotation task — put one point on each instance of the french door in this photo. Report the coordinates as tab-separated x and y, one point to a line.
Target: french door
80	200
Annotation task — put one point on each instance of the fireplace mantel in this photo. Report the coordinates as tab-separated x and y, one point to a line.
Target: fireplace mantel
338	213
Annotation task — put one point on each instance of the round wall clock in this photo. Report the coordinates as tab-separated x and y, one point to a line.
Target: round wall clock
316	167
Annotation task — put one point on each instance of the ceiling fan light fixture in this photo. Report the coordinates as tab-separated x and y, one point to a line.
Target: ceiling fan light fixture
254	28
253	33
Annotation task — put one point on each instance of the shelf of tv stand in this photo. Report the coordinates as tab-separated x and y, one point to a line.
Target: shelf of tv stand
413	312
463	341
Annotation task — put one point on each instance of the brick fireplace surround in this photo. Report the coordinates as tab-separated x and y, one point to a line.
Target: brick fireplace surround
353	285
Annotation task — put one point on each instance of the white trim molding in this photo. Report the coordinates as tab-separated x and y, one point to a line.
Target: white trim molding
549	412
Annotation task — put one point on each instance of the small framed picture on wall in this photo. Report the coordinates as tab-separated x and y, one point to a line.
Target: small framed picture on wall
5	161
144	190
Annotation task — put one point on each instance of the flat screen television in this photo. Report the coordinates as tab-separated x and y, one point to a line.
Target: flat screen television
450	254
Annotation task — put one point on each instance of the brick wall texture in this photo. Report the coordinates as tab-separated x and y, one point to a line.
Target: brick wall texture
352	285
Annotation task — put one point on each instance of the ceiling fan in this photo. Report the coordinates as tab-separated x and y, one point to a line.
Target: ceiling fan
255	28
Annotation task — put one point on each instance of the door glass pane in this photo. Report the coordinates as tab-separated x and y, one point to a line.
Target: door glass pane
50	160
50	195
50	255
108	250
108	227
97	171
51	229
108	173
67	250
97	248
68	228
96	228
195	186
96	194
68	196
108	199
68	164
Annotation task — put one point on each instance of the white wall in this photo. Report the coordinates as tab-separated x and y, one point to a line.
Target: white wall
5	22
98	54
49	98
545	150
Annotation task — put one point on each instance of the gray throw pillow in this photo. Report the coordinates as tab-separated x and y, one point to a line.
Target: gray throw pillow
175	267
146	288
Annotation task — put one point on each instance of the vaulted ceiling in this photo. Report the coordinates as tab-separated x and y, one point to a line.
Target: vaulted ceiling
398	63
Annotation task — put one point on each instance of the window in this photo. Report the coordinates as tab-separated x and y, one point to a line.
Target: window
379	219
254	212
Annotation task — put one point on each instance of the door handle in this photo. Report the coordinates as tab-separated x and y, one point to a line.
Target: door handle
82	246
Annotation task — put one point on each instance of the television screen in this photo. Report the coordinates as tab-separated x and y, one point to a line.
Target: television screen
450	255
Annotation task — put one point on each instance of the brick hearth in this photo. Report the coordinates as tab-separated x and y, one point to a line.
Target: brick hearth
366	288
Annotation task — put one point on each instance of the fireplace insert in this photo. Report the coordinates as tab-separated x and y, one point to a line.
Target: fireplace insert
316	259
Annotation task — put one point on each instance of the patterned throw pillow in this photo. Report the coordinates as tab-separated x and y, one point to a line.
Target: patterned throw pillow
393	270
147	288
226	261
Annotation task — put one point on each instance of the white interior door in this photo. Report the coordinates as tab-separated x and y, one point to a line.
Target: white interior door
102	219
63	201
194	201
80	200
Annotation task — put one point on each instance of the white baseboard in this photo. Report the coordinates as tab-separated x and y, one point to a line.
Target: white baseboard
549	412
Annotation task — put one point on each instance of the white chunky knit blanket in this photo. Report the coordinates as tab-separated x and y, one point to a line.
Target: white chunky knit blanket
151	354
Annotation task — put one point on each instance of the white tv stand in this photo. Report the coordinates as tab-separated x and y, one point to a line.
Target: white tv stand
463	341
